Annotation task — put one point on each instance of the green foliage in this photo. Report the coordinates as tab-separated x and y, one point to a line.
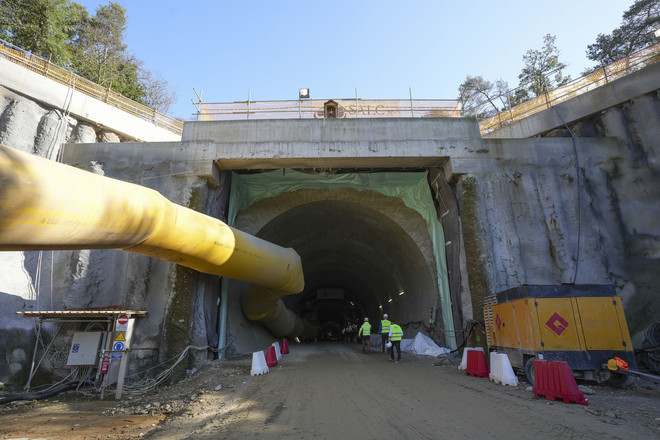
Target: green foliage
635	33
43	27
101	56
91	46
543	70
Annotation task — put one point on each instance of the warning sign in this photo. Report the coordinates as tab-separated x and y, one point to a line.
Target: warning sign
121	325
120	337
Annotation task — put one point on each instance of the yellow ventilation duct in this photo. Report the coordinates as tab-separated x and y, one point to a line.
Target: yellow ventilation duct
45	205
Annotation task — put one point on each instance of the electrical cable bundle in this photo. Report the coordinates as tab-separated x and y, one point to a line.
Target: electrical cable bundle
40	394
651	347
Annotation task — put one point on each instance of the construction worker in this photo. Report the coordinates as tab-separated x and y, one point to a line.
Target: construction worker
384	330
365	334
395	335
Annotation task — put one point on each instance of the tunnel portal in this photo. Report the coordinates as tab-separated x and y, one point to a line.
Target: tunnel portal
363	254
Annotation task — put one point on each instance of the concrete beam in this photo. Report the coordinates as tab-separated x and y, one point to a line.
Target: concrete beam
328	131
332	143
309	147
180	157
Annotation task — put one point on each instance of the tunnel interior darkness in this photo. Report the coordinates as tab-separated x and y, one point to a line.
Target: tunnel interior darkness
357	262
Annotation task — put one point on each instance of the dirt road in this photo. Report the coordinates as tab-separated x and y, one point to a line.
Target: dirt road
332	391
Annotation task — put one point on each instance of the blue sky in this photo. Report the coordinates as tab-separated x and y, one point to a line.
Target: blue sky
382	48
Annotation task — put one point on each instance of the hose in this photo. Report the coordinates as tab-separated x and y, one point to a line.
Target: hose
467	338
579	201
39	395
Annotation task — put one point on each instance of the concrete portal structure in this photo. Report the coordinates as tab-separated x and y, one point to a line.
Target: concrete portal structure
359	209
419	218
520	199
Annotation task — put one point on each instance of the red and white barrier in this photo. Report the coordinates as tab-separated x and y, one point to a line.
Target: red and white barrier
259	364
501	370
554	380
476	364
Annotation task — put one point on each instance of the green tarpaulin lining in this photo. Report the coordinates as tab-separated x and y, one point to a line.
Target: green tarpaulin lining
412	188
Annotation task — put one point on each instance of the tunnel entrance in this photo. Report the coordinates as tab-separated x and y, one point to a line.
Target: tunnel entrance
357	261
363	253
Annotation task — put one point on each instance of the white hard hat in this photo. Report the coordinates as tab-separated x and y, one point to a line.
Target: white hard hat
366	319
385	315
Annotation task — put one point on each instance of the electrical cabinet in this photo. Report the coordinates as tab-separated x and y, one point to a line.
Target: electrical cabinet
84	348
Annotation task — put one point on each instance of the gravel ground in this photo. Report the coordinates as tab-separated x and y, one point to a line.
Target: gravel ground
334	391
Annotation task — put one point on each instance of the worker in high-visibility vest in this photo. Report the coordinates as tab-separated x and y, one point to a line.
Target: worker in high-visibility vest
365	334
395	336
384	330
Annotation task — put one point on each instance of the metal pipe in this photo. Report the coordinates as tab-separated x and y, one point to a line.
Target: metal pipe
222	319
45	205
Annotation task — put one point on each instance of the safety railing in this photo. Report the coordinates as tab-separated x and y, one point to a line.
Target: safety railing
89	88
317	108
584	84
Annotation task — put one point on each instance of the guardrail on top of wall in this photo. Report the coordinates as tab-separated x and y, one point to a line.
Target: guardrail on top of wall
89	88
574	88
317	108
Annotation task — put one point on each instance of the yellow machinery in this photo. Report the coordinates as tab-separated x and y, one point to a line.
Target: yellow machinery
583	325
45	205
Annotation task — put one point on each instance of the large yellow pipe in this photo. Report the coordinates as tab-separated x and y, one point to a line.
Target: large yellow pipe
259	304
46	205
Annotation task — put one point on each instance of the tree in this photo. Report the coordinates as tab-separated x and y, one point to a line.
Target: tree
535	77
43	27
101	54
635	33
159	95
482	98
91	46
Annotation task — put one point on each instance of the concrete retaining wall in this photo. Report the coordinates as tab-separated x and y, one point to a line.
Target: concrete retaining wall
80	106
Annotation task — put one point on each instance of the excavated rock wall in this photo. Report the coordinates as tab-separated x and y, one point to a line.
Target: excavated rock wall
521	219
56	280
633	183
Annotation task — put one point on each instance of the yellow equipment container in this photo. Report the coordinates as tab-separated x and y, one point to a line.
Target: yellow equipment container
583	325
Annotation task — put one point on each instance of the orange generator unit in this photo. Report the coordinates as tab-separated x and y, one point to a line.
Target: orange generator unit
583	325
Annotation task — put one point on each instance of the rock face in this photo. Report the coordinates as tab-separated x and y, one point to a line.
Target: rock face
527	222
632	184
51	279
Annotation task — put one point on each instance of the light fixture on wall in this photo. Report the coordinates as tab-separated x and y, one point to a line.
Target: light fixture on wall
401	293
389	300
